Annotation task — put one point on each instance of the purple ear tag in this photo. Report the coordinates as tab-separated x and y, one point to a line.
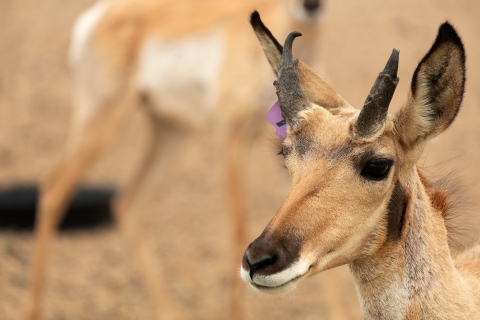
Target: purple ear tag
275	117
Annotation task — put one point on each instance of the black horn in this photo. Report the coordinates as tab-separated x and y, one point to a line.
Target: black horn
374	111
289	91
288	47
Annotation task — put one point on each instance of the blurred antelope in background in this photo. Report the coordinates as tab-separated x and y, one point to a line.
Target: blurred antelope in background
187	65
357	197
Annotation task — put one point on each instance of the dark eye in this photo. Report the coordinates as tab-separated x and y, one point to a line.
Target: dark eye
377	169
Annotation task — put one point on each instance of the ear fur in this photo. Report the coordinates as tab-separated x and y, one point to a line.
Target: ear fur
314	87
437	90
271	47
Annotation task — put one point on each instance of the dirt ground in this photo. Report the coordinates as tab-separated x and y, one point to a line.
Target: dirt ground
91	273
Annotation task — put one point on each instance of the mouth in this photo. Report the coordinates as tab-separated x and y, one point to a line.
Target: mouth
285	287
276	283
311	13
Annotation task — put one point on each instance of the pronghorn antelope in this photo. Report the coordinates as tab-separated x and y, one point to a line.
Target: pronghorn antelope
357	197
183	63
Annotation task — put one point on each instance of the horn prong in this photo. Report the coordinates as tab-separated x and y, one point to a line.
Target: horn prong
392	64
289	91
288	47
375	110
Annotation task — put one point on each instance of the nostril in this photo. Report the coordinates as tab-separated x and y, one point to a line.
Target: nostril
311	5
260	264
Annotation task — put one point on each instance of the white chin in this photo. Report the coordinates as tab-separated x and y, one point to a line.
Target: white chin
277	283
286	287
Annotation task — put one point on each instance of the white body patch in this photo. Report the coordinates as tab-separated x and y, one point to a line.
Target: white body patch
83	28
180	76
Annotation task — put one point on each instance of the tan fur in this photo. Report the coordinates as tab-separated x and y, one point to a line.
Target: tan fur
106	90
317	90
439	197
336	215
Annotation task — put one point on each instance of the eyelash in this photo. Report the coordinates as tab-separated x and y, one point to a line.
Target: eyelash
278	145
280	153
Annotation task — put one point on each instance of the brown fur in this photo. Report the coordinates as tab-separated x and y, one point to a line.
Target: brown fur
440	198
389	228
106	92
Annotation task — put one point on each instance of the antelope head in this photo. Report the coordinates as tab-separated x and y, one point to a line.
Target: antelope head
306	10
350	169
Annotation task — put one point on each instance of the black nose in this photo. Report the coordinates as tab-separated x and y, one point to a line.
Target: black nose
265	256
311	5
259	262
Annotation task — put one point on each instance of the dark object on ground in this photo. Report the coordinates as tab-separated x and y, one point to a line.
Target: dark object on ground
90	207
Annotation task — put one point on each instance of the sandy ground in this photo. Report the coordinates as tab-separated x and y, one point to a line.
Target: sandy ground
92	274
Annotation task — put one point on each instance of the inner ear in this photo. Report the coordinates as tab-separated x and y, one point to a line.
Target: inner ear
446	51
437	89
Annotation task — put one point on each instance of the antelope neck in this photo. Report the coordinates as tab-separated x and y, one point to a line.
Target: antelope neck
413	277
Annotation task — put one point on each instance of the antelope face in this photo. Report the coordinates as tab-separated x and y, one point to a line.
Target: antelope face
306	10
348	167
336	207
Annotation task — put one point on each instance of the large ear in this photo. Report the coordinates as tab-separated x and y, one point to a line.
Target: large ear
437	90
272	48
298	86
